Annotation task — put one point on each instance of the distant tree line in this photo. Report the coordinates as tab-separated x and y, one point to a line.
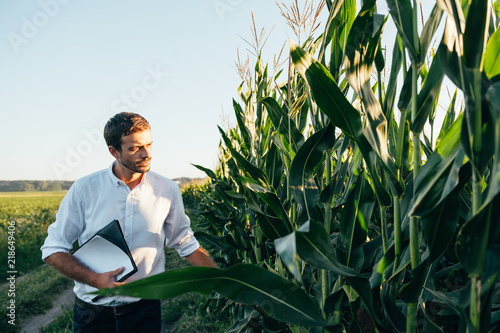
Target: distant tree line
57	185
184	181
34	185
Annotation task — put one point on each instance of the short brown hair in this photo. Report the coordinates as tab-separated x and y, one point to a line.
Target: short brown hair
123	124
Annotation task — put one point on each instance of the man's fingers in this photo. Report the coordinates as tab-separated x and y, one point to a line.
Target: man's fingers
118	271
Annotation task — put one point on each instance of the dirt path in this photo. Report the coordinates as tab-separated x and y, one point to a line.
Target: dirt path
64	299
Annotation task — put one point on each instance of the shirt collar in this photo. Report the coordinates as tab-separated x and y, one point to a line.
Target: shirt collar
119	182
112	176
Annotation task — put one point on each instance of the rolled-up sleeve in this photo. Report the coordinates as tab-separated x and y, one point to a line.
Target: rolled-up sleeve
68	225
178	228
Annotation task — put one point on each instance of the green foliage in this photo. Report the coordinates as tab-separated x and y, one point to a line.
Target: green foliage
32	214
195	313
336	209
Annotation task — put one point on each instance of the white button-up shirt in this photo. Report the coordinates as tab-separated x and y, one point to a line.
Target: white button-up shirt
151	215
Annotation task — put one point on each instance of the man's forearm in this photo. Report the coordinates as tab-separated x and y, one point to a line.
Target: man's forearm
200	257
67	265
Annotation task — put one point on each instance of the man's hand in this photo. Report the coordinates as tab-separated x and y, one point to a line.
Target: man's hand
200	257
108	279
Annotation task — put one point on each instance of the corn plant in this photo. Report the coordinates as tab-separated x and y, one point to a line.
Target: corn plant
329	210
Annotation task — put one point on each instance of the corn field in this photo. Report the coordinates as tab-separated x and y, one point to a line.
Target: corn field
332	210
30	214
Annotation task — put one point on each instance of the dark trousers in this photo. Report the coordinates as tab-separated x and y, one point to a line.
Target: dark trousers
143	316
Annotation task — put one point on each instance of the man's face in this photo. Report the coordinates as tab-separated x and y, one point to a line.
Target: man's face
136	151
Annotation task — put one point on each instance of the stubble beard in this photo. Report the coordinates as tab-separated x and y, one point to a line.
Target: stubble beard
133	166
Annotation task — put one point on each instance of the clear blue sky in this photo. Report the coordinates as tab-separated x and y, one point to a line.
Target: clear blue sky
67	66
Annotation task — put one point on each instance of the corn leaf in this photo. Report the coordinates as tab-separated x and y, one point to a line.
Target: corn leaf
493	98
476	31
429	30
243	164
405	94
402	14
439	176
428	96
330	25
411	291
452	45
327	94
354	220
270	198
362	46
281	121
440	225
362	287
250	316
221	243
312	244
478	235
286	247
240	118
394	314
390	93
302	184
429	326
449	299
483	157
302	116
208	172
272	227
243	283
492	56
274	166
343	115
448	119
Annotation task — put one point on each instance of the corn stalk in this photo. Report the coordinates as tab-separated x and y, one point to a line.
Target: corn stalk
290	216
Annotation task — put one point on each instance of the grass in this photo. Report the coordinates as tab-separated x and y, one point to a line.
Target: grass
60	324
194	313
33	295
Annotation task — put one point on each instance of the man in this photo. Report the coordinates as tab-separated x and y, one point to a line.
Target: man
151	214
